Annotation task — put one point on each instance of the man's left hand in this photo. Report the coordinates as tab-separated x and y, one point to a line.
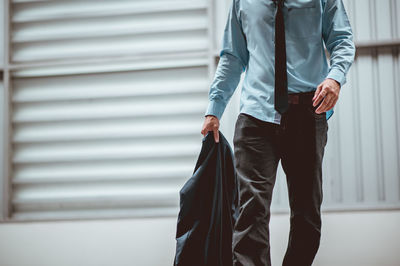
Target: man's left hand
328	91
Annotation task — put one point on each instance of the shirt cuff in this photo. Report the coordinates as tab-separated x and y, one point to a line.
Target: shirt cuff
337	75
215	107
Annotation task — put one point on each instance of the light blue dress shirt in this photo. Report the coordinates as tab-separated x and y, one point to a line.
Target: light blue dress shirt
248	45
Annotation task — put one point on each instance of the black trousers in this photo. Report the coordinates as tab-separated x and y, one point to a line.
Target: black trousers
299	142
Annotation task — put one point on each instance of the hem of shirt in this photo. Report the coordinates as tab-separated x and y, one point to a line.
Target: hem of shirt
260	116
277	118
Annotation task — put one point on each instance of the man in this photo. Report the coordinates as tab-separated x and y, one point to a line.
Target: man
288	95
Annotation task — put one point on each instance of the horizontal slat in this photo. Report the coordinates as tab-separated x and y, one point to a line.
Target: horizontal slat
55	10
102	150
192	80
27	1
111	213
106	109
171	42
110	27
116	170
161	127
106	91
109	64
133	198
93	191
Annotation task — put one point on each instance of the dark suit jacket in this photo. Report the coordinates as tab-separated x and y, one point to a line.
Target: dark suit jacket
208	208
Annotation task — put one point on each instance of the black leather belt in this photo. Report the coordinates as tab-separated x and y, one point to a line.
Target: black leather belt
301	97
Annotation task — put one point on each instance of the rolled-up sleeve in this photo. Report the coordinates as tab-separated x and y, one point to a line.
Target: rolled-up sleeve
338	38
233	61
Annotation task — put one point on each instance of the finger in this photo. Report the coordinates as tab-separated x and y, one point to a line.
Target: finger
216	135
317	91
332	102
322	107
204	131
320	96
325	103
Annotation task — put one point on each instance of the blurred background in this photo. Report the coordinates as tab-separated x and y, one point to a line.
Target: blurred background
102	104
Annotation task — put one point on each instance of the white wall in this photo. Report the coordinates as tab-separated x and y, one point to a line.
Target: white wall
360	238
2	34
348	239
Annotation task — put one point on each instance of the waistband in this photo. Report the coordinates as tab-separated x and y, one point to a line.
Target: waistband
301	97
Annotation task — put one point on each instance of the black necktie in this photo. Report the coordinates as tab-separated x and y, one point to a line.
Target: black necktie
281	91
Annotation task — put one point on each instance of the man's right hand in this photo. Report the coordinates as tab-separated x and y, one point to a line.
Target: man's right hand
211	123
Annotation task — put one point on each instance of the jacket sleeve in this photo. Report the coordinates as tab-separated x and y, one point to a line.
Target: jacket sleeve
233	61
338	37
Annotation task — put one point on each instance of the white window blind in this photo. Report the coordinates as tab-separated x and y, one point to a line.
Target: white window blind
107	104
